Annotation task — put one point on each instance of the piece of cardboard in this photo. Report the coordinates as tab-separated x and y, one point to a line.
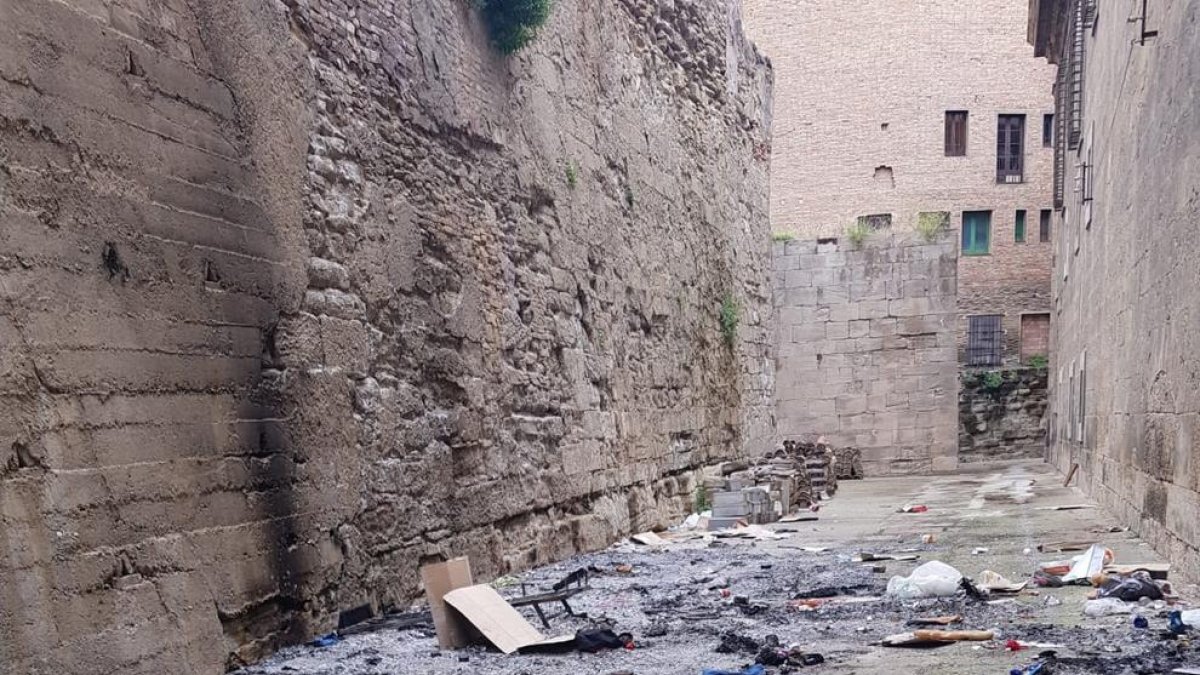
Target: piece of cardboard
440	579
648	539
497	620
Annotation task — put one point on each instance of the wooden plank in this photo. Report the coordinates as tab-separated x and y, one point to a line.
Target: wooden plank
1070	475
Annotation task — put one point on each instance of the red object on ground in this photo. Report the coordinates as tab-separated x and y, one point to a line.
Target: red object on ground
1013	646
725	592
919	508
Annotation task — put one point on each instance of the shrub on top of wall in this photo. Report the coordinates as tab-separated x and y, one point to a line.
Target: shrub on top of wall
513	23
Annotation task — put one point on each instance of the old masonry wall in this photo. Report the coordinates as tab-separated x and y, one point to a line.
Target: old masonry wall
294	297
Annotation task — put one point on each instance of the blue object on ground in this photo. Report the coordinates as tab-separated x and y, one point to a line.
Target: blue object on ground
1140	622
756	669
1175	623
326	640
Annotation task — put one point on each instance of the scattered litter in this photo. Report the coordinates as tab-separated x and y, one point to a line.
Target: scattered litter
495	619
1175	622
1140	621
1052	601
913	508
935	620
505	581
931	580
1155	570
928	538
1088	564
733	643
1130	589
624	568
749	532
936	638
799	518
974	592
993	582
1190	617
1105	607
756	669
326	640
880	557
648	539
1064	546
1066	507
1013	646
979	550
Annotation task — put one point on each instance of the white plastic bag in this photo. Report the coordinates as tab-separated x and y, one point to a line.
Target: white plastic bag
1106	606
1191	617
934	579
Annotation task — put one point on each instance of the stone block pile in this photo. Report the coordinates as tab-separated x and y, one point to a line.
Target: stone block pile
793	476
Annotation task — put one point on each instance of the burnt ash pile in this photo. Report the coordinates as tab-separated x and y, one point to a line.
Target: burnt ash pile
724	604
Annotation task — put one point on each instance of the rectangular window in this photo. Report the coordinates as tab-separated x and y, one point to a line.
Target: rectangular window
1010	149
976	232
985	340
1044	226
876	221
1019	227
956	133
1048	130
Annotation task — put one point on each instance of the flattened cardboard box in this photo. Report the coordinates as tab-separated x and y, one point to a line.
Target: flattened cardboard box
497	620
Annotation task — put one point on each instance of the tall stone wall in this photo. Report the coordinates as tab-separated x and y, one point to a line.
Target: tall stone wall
866	348
293	298
1125	405
1001	414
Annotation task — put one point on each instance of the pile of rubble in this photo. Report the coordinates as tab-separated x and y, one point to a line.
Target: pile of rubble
797	475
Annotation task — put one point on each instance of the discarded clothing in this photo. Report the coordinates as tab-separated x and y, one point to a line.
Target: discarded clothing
592	640
1131	588
326	640
732	643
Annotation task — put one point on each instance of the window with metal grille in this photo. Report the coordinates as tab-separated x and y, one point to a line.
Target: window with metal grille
956	133
1010	149
976	232
1019	226
876	221
1048	130
1044	226
985	340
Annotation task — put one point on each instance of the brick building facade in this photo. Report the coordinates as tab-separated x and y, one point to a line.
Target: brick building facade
1124	403
910	118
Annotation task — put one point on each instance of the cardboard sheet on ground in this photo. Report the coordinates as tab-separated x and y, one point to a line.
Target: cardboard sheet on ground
1087	564
497	620
648	539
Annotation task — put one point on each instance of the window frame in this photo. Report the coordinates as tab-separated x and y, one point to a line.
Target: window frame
994	354
952	146
1010	166
973	249
1047	130
1045	222
1020	219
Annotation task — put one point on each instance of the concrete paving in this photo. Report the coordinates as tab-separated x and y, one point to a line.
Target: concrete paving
983	517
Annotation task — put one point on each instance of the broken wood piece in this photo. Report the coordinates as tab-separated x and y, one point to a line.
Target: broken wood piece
1070	475
1066	507
911	641
1156	570
1062	546
935	620
865	556
954	635
799	518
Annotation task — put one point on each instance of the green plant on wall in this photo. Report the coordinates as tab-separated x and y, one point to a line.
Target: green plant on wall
1038	361
513	24
993	379
857	233
629	196
729	319
700	501
783	236
572	175
931	224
